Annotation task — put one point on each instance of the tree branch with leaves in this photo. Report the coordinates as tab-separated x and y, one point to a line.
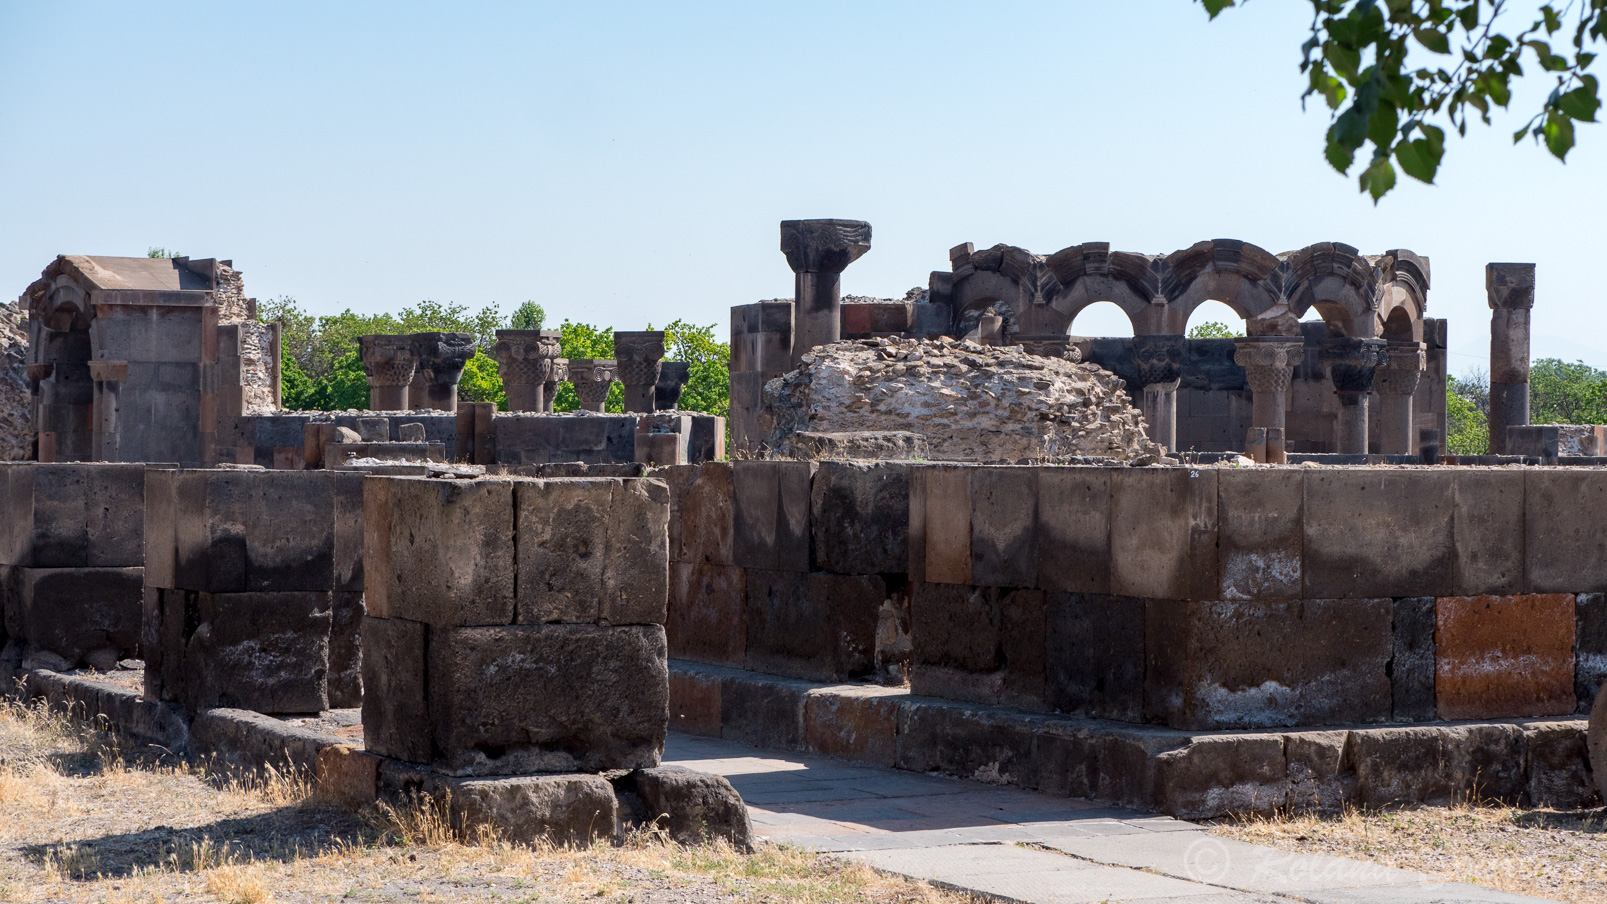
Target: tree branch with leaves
1390	103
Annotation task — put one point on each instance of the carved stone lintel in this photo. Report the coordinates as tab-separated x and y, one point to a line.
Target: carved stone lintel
1353	363
525	357
1404	369
387	360
1509	286
592	378
1159	359
1049	347
672	377
823	246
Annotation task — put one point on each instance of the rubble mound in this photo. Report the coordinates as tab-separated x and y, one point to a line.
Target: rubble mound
972	402
16	402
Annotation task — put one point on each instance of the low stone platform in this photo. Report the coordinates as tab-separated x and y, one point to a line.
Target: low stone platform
1192	775
564	808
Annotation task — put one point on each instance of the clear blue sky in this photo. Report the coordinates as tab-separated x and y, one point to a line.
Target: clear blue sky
628	162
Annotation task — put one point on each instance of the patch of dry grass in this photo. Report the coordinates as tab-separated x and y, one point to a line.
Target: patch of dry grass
89	820
1560	855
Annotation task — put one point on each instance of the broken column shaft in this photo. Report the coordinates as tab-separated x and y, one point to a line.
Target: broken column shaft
1509	288
525	360
1352	364
1396	383
818	251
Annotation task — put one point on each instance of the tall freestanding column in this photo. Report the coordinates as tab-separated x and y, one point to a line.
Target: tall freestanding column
818	251
441	357
639	356
1397	381
1352	364
1510	291
389	362
592	378
1160	370
525	360
1269	364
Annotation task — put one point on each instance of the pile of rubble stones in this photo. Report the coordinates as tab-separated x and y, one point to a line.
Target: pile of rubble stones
972	402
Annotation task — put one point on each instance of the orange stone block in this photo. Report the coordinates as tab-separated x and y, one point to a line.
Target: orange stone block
1499	657
347	775
695	704
854	723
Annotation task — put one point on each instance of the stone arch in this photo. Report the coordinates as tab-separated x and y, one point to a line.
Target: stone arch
1008	275
1238	274
1402	294
1091	273
1339	282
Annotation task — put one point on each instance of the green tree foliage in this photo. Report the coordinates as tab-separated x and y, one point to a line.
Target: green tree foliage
482	381
708	384
161	253
528	316
1467	424
1390	69
1563	393
1212	329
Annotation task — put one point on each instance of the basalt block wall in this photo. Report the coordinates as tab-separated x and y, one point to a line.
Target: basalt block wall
1197	598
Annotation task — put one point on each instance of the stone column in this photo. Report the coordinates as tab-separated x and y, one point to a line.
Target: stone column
1396	382
639	356
108	377
1160	369
524	359
441	357
1510	290
592	378
549	389
389	362
672	377
1352	364
818	251
1269	364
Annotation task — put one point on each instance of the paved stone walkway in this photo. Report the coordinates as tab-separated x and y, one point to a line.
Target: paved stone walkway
1020	846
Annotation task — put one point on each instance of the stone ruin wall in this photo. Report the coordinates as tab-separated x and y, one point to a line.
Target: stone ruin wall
230	296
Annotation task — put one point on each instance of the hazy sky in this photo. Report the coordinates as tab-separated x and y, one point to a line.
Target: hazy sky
627	163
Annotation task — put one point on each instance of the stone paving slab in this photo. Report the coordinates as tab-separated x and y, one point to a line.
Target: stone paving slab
1016	845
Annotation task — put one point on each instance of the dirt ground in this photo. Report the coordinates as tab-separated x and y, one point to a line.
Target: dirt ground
84	820
1561	855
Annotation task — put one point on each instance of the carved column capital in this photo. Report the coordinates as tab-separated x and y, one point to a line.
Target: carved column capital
638	356
823	246
672	377
1049	346
592	378
1353	363
387	360
1159	360
1268	361
1509	286
1404	369
441	356
525	357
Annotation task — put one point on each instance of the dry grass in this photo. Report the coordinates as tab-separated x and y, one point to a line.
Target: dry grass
1561	855
88	820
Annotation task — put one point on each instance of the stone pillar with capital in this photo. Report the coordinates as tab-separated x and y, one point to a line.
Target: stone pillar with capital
1352	365
1160	370
549	389
639	356
1396	382
592	378
525	361
389	362
1269	364
441	357
672	377
818	251
1509	288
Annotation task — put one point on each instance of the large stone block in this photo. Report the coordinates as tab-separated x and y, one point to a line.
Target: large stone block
1073	530
1095	655
1559	773
1489	525
1214	665
858	723
944	510
1218	774
1565	549
1412	672
763	711
74	515
1504	656
76	611
1163	533
265	652
695	703
971	742
269	531
816	626
1261	525
592	551
161	526
396	715
859	517
772	514
547	698
1376	532
1436	765
978	644
562	810
707	617
1590	648
440	551
706	517
347	491
692	807
345	649
1004	514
